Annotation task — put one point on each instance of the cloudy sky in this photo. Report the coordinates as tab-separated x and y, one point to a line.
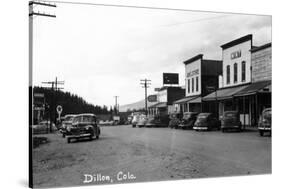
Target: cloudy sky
102	51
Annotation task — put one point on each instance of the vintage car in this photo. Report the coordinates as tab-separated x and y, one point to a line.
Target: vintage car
135	120
151	122
142	121
66	122
231	121
188	120
174	120
206	121
83	126
264	124
162	120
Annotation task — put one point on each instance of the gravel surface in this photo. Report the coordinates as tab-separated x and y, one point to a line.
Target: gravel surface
126	154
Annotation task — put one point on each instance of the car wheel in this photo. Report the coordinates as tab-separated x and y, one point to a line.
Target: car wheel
261	133
98	136
68	140
63	135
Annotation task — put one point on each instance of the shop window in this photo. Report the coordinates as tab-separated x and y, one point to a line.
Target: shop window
197	83
192	85
188	85
228	74
243	72
235	73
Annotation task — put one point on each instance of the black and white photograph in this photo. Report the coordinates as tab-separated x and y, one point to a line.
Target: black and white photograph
127	94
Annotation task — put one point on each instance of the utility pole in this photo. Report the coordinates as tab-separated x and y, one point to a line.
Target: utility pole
54	88
145	84
116	105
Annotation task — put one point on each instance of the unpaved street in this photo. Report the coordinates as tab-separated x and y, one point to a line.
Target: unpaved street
149	154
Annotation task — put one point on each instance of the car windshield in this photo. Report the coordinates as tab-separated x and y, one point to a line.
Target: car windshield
187	116
267	114
88	119
68	118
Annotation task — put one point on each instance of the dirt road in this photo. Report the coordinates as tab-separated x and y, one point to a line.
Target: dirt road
126	154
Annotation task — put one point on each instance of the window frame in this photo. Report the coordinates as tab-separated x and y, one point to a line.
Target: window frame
235	73
228	74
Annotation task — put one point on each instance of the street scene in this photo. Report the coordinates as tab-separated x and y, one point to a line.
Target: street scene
150	154
147	94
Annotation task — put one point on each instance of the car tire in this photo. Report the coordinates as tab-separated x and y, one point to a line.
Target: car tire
98	136
68	140
63	135
261	133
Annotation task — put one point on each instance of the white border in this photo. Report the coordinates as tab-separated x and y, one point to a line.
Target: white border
14	92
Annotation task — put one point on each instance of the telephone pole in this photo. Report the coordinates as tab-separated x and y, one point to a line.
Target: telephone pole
145	84
116	105
31	15
54	88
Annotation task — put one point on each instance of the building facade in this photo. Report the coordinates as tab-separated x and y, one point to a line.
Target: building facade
165	98
246	80
261	63
201	78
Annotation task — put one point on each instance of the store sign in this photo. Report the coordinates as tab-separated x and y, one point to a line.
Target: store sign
192	73
235	54
170	78
152	98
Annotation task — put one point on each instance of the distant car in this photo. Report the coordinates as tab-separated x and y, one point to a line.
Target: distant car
43	127
142	121
135	120
264	124
174	120
150	122
206	121
66	122
231	121
83	126
188	120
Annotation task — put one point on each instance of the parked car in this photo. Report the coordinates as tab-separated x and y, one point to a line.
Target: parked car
175	120
206	121
83	126
142	121
162	120
135	120
231	121
66	122
264	124
188	120
151	122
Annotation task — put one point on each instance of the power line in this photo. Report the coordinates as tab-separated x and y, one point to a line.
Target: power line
139	7
145	84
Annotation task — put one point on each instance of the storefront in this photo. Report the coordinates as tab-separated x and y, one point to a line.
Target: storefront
165	97
201	77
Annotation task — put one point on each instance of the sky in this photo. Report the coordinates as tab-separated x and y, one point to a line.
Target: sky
101	52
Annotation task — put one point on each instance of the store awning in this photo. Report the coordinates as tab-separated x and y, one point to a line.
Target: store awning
159	105
185	100
261	86
196	100
224	93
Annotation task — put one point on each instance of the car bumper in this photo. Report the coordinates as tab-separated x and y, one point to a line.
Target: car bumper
200	128
79	136
230	127
264	128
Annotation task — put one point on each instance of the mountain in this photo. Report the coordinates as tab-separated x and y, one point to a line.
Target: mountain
136	105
